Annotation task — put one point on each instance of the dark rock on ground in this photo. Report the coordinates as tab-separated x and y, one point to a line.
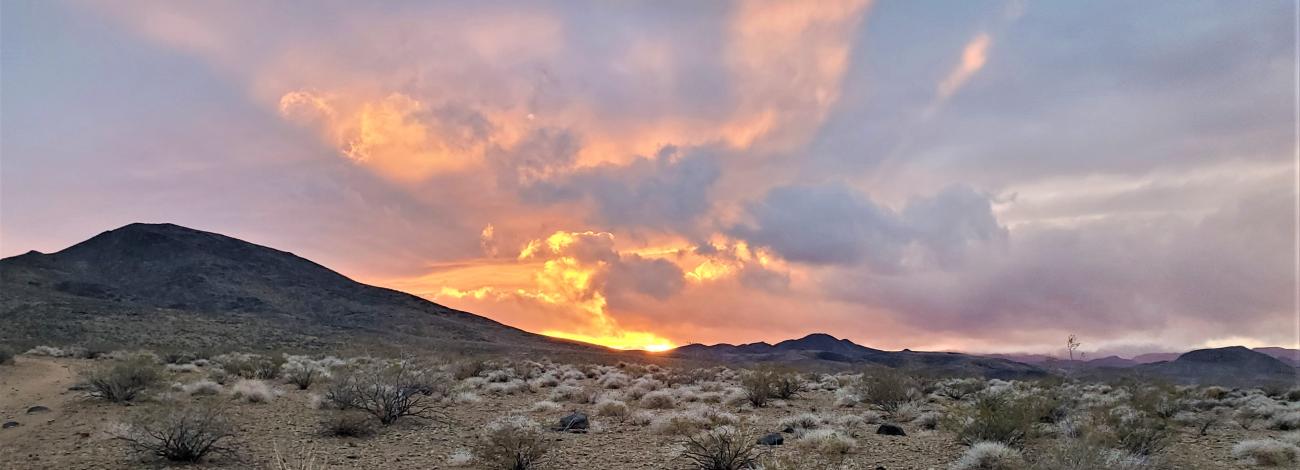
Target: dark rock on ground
38	409
890	430
773	439
574	422
10	424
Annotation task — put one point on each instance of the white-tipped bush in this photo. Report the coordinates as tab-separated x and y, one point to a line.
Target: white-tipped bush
465	398
513	442
546	406
929	420
827	442
800	423
181	368
1285	421
989	456
641	418
47	351
253	391
658	400
1266	453
202	387
679	423
568	393
460	458
614	408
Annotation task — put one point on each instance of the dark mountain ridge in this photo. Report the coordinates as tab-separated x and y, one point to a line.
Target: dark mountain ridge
826	351
143	284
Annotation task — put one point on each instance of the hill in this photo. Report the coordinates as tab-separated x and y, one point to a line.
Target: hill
163	285
1224	366
820	350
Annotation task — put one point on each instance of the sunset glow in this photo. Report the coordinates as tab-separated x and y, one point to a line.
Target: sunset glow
973	176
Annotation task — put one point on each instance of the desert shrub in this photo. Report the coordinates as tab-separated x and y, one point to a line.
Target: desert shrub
759	386
253	391
122	381
47	351
1083	454
992	416
465	369
959	389
989	456
929	420
303	373
829	443
388	391
887	389
183	434
512	442
202	387
799	423
1266	453
1293	394
613	408
460	458
1135	432
787	385
641	418
1286	421
350	423
658	400
724	448
470	397
6	356
545	406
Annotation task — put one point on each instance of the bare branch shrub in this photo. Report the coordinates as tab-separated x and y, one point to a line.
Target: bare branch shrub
723	448
887	389
388	392
183	434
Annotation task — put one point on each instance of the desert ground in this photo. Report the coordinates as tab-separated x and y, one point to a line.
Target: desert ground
504	413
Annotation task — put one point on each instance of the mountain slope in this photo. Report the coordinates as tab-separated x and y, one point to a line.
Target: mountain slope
151	284
822	350
1224	366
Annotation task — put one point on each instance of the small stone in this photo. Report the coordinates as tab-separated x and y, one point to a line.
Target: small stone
38	409
10	424
890	430
773	439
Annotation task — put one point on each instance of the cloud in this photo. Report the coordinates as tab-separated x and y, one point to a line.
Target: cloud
837	225
973	57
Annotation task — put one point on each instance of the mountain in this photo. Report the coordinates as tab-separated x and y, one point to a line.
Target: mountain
1223	366
820	350
1287	355
1155	357
163	285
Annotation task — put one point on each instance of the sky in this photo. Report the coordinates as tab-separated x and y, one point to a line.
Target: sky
977	176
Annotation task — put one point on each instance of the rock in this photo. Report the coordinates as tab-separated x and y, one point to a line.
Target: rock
574	422
10	424
773	439
890	430
38	409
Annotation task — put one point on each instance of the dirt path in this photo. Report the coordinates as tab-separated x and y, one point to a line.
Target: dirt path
29	382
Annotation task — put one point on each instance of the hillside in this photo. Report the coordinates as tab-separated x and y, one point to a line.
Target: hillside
825	351
164	285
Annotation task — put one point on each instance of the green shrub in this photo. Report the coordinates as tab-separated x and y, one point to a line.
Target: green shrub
887	389
995	417
724	448
122	381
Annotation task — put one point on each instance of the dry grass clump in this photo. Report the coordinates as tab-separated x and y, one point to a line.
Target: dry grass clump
460	458
545	406
251	366
1267	453
184	434
1083	454
122	381
512	442
389	391
829	443
658	400
202	387
253	391
723	448
989	456
613	408
303	372
886	389
347	424
799	423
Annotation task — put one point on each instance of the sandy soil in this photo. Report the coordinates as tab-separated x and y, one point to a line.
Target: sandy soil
76	433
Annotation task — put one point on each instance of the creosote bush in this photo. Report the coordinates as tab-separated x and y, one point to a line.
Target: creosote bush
759	386
887	389
995	417
181	434
350	423
512	442
723	448
123	381
388	391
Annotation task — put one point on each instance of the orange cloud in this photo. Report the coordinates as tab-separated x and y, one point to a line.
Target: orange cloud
973	57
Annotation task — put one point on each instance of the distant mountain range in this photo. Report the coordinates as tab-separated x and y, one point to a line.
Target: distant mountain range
165	286
823	350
